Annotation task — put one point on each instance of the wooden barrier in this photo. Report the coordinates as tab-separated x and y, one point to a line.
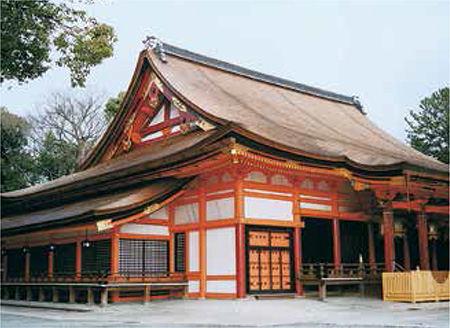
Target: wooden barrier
416	286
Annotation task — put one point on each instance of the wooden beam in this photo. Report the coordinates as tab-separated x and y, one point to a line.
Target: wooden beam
406	255
202	238
371	243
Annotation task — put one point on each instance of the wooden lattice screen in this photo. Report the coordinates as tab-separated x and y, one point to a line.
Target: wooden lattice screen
16	263
143	257
38	261
180	255
64	260
96	259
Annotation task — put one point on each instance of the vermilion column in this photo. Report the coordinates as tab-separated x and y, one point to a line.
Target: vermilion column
336	242
78	256
5	267
388	231
50	265
422	232
371	243
240	236
297	259
115	263
27	266
406	257
434	264
240	260
202	239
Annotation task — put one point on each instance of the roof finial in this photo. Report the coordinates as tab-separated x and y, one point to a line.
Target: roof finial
357	103
155	44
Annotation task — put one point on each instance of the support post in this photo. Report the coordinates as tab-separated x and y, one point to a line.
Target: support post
240	235
50	265
29	295
6	291
146	294
422	232
406	256
434	263
55	295
5	267
104	296
41	296
115	263
27	266
17	293
388	231
297	260
371	242
71	294
336	243
202	238
78	258
90	296
322	291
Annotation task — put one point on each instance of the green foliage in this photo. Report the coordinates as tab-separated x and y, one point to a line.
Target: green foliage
112	106
17	166
428	128
55	158
32	31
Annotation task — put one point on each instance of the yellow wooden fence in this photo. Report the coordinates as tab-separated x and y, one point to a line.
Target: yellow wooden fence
416	286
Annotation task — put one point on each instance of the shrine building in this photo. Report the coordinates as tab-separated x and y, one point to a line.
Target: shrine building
216	181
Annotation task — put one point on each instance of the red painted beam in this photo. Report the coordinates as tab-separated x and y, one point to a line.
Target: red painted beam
336	242
388	231
422	231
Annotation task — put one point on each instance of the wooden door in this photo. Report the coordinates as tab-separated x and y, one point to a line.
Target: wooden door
269	261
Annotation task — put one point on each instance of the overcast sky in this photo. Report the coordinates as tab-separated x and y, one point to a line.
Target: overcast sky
389	53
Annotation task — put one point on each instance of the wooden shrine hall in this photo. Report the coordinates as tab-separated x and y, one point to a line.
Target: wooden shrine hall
216	181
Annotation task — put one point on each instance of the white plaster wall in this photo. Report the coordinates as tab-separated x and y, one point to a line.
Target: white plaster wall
221	286
145	229
160	214
219	209
193	286
318	207
194	251
221	251
263	208
186	213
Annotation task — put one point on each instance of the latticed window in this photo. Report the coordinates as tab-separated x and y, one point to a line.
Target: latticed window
39	261
64	260
139	257
180	252
96	259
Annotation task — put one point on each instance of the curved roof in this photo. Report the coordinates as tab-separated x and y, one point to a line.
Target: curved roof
304	119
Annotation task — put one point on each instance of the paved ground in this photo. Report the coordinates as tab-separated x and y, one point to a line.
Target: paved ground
307	313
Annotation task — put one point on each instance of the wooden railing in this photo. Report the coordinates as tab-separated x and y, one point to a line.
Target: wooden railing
416	286
101	277
318	271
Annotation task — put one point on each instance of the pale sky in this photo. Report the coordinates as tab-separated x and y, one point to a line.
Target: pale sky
389	53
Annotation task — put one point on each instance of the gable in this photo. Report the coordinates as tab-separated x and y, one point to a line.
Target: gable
153	113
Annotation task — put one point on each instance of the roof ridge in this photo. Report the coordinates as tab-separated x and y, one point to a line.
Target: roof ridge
239	70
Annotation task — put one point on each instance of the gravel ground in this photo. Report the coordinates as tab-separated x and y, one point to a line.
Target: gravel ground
307	313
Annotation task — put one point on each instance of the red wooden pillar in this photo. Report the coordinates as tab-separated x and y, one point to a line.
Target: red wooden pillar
78	256
202	239
406	257
297	259
422	232
388	232
240	260
371	243
434	264
240	235
27	265
336	242
115	263
50	264
5	267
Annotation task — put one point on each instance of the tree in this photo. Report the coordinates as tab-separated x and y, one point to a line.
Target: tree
428	128
65	130
17	166
32	32
112	106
